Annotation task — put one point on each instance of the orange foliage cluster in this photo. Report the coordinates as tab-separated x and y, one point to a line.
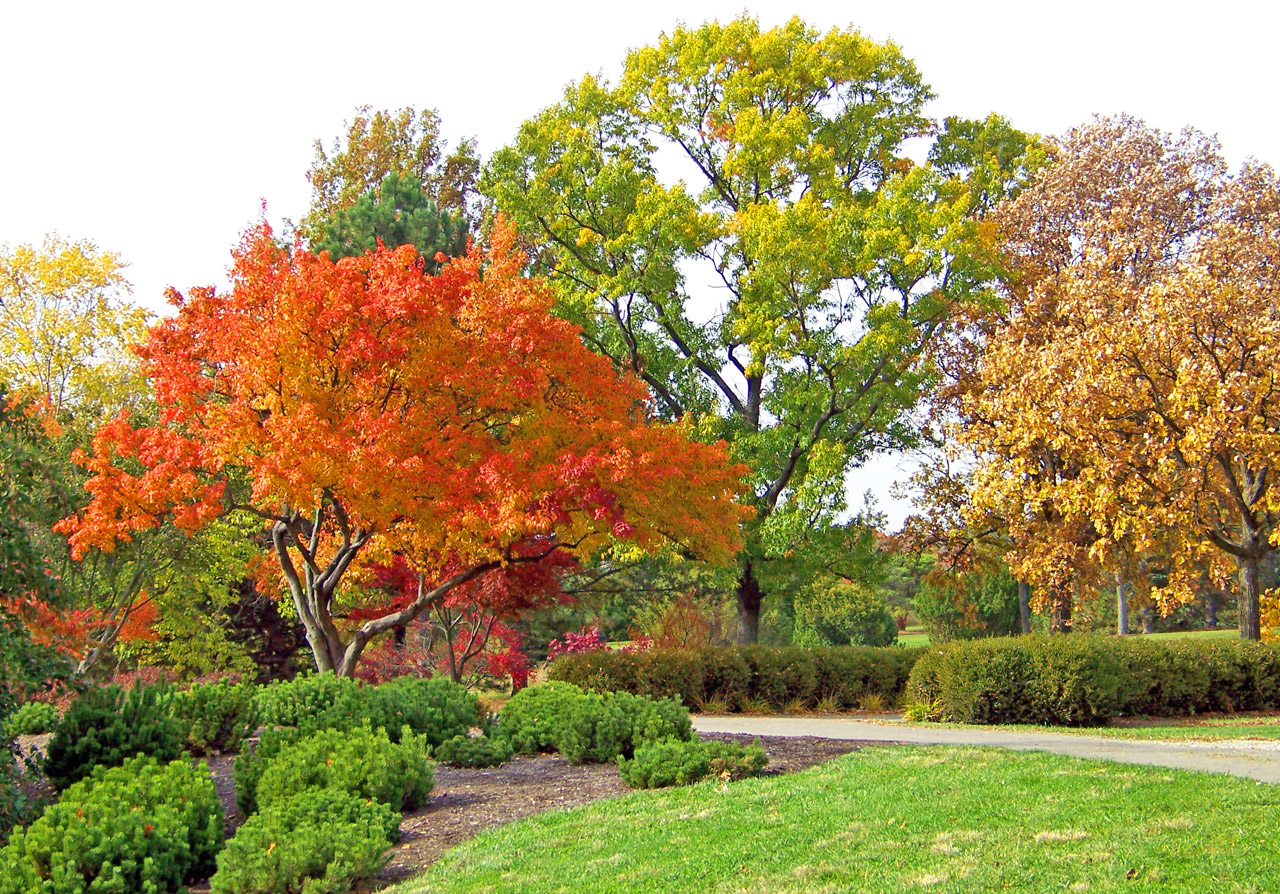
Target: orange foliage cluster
363	406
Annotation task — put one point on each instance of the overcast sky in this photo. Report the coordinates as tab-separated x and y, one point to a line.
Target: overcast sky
158	131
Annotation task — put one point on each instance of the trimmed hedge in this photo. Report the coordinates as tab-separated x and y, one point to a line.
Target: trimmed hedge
738	676
589	726
141	826
1082	680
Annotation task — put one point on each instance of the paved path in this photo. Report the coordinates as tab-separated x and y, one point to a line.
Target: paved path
1252	759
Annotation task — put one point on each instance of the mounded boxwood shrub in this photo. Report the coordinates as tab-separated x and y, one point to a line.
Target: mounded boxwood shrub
674	762
216	717
107	726
735	675
141	826
32	719
588	726
323	840
364	762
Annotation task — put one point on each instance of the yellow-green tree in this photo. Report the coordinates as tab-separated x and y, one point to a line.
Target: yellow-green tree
782	294
1125	406
66	324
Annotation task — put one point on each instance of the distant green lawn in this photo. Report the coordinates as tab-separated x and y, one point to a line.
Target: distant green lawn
1220	633
1251	726
915	636
896	820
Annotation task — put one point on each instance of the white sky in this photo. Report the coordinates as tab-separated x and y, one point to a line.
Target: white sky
158	130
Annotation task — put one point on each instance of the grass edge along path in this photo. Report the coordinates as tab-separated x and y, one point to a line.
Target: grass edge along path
895	820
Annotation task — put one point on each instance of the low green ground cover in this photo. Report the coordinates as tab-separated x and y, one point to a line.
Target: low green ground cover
896	819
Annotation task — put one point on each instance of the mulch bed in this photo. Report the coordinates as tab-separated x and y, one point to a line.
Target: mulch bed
466	802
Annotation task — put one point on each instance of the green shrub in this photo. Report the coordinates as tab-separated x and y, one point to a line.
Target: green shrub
1081	679
781	675
588	726
481	751
532	719
671	673
674	762
988	681
602	670
216	717
436	708
316	701
32	719
141	826
736	676
106	726
363	762
252	763
838	613
1075	680
726	677
323	840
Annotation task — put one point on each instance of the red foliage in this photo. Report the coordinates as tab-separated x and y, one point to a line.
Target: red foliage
587	639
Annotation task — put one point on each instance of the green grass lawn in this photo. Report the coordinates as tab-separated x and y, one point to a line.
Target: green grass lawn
913	636
896	819
1220	633
1250	726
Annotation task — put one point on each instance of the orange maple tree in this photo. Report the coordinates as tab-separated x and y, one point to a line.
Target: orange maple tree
365	409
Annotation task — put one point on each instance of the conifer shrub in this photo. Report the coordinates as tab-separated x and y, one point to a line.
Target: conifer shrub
435	707
588	726
480	751
364	762
320	840
251	763
31	719
675	762
108	725
216	717
138	827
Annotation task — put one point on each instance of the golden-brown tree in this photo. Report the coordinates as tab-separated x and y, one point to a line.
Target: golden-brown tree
1124	406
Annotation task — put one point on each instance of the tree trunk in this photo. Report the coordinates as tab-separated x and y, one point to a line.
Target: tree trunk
1122	607
1211	610
749	598
1024	606
1061	618
1247	600
1148	620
